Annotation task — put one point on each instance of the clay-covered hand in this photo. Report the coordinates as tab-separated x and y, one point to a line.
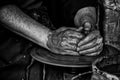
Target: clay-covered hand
64	41
91	45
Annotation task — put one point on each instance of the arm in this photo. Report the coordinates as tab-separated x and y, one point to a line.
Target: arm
22	24
62	41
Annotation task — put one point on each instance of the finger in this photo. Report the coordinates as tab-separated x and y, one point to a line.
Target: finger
95	53
90	37
79	29
92	50
90	44
66	45
70	40
87	26
69	52
74	34
74	29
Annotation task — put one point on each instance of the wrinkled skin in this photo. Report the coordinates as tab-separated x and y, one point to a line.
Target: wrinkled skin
86	40
64	41
70	41
91	45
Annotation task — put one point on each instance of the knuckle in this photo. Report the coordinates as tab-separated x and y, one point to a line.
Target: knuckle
70	40
95	34
93	42
66	45
99	46
78	49
99	41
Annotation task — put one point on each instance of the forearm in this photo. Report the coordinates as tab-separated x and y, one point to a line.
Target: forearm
22	24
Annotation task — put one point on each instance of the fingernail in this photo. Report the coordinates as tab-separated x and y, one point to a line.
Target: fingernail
77	49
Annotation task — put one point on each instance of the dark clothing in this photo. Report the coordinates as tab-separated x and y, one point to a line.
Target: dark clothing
15	61
60	14
27	69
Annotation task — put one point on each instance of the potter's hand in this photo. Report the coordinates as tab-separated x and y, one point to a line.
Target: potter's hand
91	45
64	41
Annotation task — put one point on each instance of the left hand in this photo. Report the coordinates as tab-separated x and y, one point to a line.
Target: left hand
91	45
64	40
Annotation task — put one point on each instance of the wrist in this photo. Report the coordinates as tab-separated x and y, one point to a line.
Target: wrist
49	41
46	38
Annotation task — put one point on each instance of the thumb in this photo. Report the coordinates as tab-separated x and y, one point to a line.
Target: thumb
79	29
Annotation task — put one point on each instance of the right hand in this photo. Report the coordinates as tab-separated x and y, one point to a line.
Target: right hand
64	41
91	45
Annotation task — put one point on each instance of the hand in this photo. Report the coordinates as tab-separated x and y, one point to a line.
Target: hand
64	41
91	45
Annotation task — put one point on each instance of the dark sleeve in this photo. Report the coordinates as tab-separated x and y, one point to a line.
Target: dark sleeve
6	2
20	3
